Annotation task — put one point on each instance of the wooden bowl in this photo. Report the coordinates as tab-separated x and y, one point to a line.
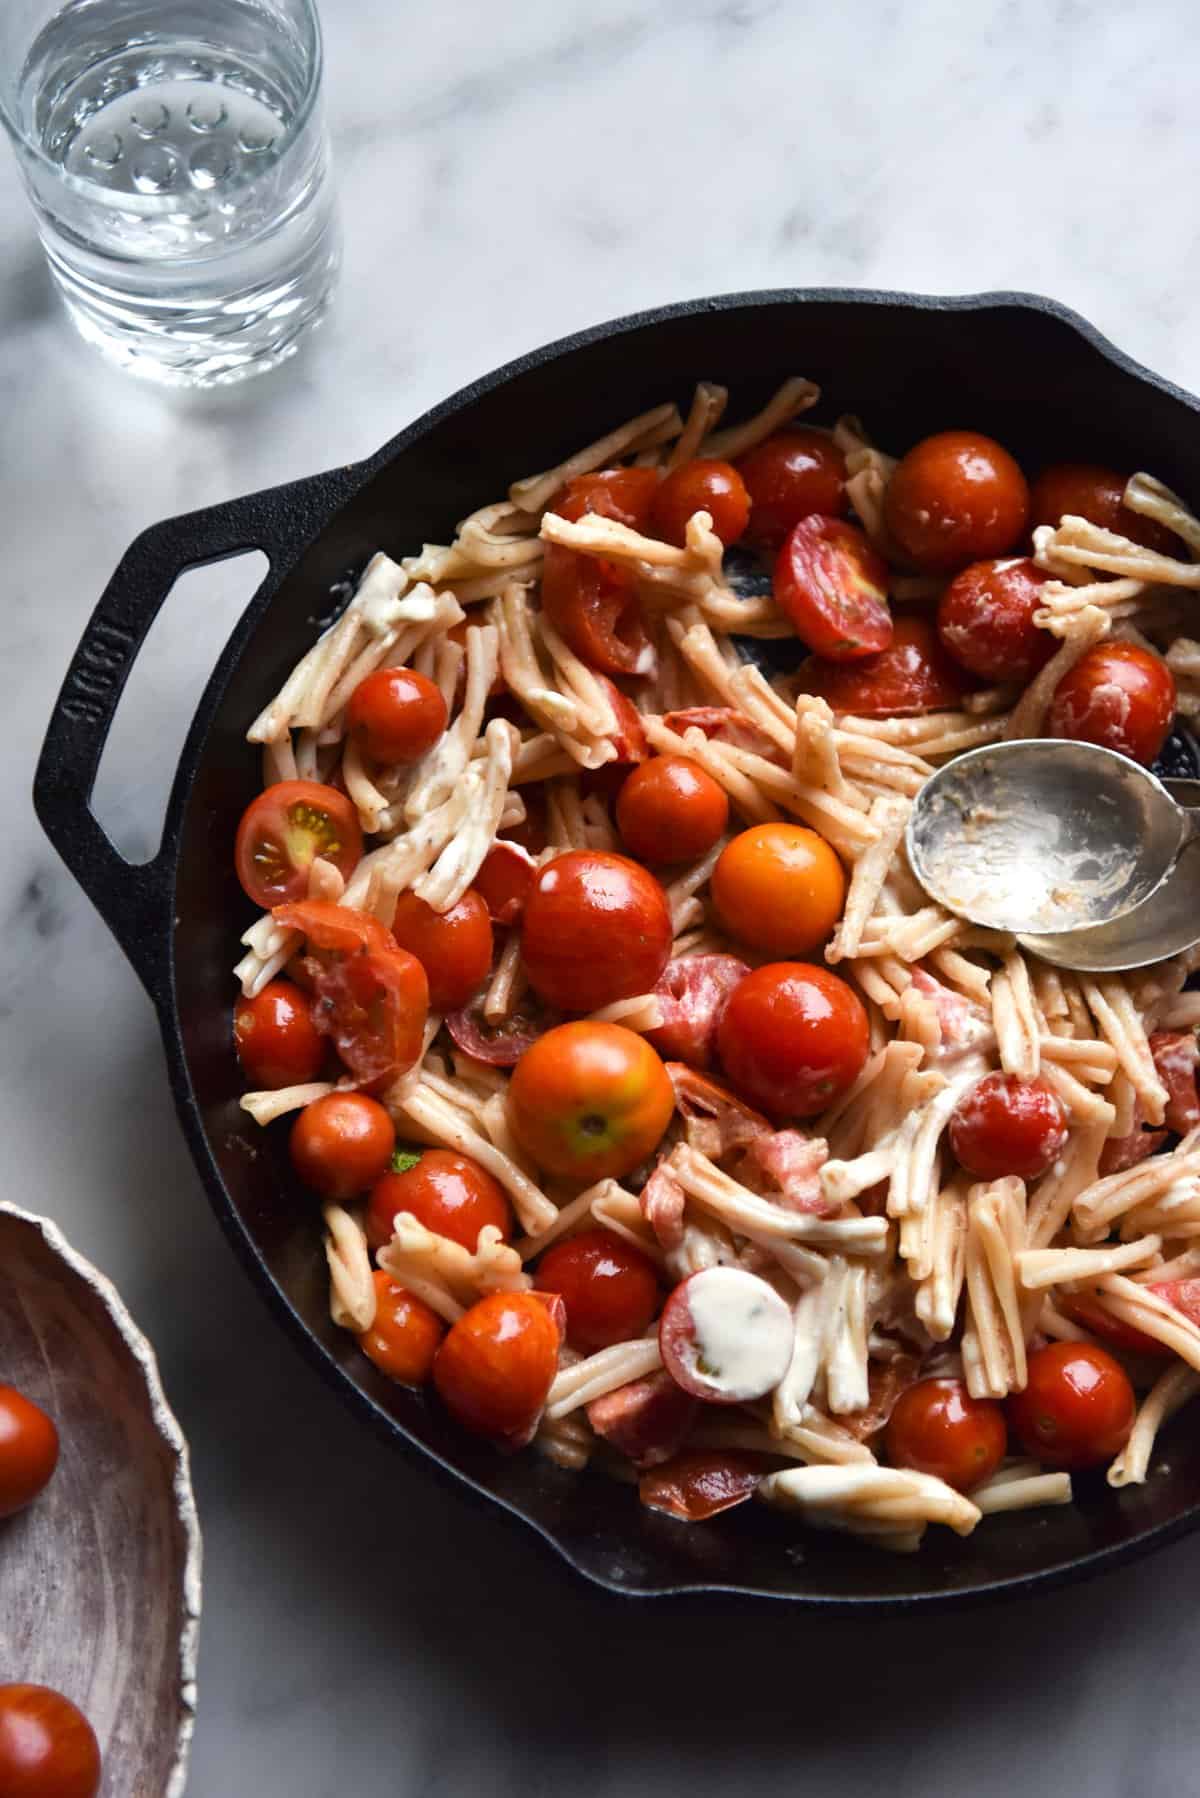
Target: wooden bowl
101	1576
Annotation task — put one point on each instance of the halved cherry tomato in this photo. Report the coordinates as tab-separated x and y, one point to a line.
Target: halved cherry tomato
282	833
1086	490
701	1482
341	1144
449	1193
505	881
334	929
705	485
726	1336
1077	1408
790	475
780	888
1118	695
624	494
793	1038
691	997
609	1287
374	1006
277	1042
955	498
938	1428
597	928
1184	1295
985	619
496	1366
1087	1310
48	1749
406	1334
914	674
589	1101
833	587
396	714
501	1045
594	607
454	947
28	1451
1004	1125
671	810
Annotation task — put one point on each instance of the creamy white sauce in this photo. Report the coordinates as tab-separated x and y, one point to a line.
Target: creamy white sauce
743	1331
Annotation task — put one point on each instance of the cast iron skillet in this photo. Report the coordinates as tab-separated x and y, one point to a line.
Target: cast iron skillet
1021	368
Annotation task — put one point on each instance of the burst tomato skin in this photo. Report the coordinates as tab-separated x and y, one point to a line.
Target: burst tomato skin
406	1334
374	1007
609	1287
278	1044
625	495
704	485
1004	1125
955	498
985	619
494	1369
1087	490
449	1193
284	830
793	1037
936	1427
699	1483
790	475
914	674
671	810
592	603
779	888
334	929
505	881
454	947
341	1144
597	928
590	1101
691	995
1077	1408
833	586
1118	695
396	714
48	1749
28	1451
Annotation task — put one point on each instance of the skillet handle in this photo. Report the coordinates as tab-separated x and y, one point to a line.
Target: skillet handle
135	901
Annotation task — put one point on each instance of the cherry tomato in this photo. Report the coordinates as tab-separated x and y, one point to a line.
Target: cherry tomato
1175	1054
1003	1125
691	997
341	1144
374	1006
277	1042
701	1482
1086	1310
624	494
833	587
937	1427
334	929
589	1101
282	833
789	476
956	498
914	674
610	1288
496	1366
594	607
1184	1295
505	881
705	485
628	738
406	1334
793	1037
726	1336
671	810
1085	490
396	714
1077	1408
28	1451
48	1749
597	927
454	947
780	888
985	620
449	1193
501	1045
1118	695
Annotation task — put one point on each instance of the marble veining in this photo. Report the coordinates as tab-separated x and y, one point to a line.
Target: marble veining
507	177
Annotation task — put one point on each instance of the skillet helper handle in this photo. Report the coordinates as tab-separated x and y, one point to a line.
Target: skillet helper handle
135	900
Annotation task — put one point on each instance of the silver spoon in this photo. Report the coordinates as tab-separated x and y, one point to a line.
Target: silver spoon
1086	856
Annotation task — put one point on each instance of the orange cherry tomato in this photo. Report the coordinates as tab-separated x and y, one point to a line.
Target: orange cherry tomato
449	1193
1086	490
788	477
833	587
1004	1125
780	888
1077	1408
670	810
282	833
956	498
1085	1309
406	1334
28	1451
589	1101
793	1038
494	1369
704	485
454	947
334	929
1118	695
937	1427
374	1006
341	1144
277	1042
396	714
48	1749
609	1287
597	928
914	674
985	619
505	881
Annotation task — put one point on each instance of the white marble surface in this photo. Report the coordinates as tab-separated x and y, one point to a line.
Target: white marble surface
507	175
